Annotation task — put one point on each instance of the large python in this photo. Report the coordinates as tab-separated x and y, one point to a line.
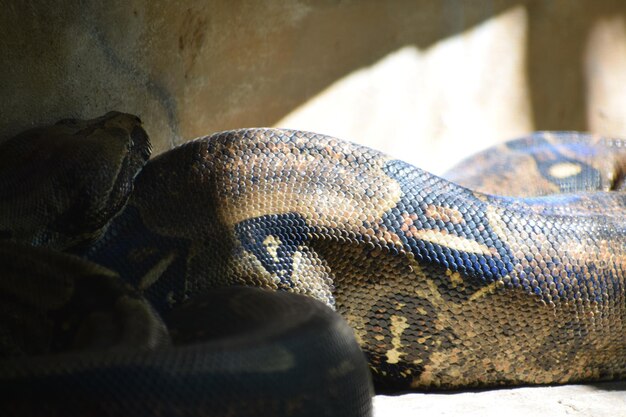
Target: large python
443	286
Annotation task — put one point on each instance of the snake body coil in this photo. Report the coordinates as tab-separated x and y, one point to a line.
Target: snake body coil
443	286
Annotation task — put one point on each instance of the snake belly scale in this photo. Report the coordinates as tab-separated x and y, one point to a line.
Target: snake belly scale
443	286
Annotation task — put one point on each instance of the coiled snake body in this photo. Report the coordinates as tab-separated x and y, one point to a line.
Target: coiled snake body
444	286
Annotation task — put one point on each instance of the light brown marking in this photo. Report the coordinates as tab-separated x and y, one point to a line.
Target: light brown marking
455	278
499	227
272	243
443	238
432	292
563	170
156	271
489	289
321	203
407	221
311	276
397	327
445	214
141	254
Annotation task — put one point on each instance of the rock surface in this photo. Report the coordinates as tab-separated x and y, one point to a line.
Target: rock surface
598	400
486	70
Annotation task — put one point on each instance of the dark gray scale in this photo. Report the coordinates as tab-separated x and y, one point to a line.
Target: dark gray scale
418	191
235	351
61	185
420	317
286	231
569	174
133	250
53	302
545	163
555	205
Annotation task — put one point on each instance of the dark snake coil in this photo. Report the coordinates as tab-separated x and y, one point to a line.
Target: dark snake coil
122	286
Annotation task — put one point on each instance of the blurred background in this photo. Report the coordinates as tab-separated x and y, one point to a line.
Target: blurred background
429	81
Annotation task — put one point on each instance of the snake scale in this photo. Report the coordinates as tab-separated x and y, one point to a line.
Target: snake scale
123	285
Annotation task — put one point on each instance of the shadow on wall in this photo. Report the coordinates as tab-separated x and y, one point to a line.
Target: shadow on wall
193	68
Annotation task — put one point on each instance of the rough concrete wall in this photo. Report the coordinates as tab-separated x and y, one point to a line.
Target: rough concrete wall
193	67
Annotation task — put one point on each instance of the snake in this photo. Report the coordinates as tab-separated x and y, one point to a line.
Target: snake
268	271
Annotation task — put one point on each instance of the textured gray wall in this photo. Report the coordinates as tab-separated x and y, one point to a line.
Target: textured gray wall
193	67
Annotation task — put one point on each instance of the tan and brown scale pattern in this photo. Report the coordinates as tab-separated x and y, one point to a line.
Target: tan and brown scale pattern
545	163
444	287
78	338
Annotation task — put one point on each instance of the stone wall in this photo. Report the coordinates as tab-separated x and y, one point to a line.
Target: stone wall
430	80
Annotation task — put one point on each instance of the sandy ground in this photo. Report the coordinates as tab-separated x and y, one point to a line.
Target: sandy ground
598	400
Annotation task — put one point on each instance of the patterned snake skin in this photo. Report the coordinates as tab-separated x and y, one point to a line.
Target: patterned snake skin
444	286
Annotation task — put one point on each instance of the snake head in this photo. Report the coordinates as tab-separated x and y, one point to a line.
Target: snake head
73	176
